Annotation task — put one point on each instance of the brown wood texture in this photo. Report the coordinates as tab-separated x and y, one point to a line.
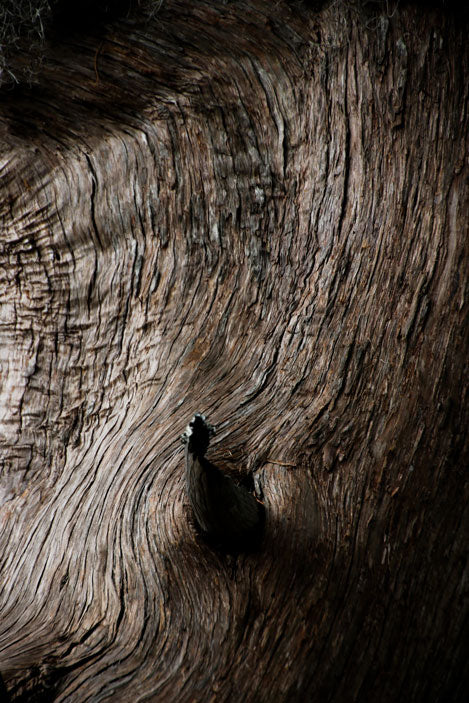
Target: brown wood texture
258	211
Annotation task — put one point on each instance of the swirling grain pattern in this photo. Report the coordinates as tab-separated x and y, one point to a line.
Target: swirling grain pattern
258	211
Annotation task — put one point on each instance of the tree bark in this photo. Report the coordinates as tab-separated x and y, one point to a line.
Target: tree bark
258	211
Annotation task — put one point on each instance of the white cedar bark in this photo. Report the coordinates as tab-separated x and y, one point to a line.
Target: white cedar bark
257	211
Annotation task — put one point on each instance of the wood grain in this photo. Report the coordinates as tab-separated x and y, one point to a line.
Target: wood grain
256	210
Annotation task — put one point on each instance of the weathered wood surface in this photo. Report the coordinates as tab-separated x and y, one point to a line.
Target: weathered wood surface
259	212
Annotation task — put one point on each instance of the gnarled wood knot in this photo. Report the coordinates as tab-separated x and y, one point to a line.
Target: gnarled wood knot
226	513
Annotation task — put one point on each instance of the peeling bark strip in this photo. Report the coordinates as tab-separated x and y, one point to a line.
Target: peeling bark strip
261	210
